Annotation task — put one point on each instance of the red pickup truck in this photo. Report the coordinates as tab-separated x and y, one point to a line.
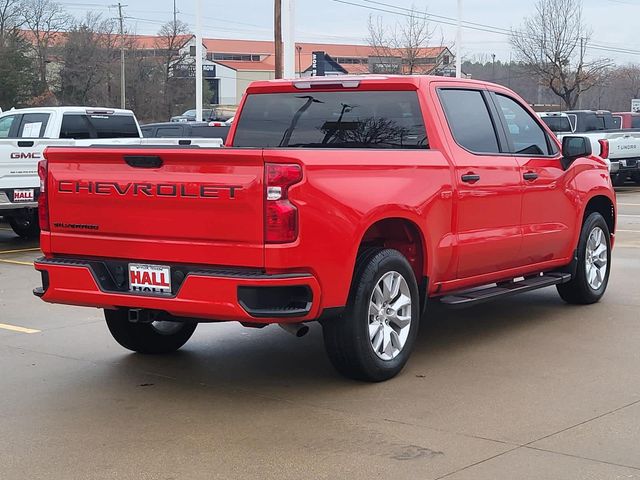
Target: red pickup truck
349	200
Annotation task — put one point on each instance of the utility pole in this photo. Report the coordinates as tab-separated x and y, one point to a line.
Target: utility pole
578	92
175	15
123	100
493	67
277	27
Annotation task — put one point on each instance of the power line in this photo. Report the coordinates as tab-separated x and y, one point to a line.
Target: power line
405	12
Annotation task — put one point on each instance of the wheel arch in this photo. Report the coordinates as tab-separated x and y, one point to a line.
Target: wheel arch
604	206
405	235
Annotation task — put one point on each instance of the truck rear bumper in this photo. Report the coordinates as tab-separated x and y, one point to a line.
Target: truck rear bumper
207	294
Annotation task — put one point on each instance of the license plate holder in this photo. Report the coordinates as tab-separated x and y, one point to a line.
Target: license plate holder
150	279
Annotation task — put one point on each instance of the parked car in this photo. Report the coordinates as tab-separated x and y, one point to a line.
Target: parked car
628	120
351	200
620	146
208	114
558	122
185	130
25	133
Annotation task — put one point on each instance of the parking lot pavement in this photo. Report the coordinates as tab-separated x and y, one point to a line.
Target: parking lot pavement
524	388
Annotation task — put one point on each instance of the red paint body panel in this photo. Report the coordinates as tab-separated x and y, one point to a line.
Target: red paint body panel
470	234
204	297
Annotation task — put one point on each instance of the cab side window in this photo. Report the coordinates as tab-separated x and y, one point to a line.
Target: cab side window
525	135
33	125
469	120
5	125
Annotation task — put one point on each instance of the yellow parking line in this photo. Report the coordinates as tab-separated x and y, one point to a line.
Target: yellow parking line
19	250
16	262
15	328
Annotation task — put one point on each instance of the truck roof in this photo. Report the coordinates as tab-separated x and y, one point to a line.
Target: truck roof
552	114
89	110
353	81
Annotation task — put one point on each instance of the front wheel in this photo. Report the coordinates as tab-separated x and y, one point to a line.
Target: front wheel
372	341
594	261
153	337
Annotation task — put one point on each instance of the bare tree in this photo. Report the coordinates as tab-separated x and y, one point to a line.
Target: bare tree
406	46
88	57
171	38
10	18
553	43
45	19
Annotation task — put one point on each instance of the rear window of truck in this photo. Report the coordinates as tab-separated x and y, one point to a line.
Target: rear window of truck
83	126
380	119
558	124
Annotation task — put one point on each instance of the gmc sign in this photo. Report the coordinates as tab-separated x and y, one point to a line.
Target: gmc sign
26	156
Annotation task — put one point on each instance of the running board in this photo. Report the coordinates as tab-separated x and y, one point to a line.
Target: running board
467	298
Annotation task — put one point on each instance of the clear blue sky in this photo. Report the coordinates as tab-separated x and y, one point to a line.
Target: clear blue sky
614	22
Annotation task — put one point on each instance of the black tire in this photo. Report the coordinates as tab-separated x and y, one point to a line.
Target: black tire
145	337
25	226
347	339
578	290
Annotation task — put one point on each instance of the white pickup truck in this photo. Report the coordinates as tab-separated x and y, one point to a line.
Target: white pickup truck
620	147
25	133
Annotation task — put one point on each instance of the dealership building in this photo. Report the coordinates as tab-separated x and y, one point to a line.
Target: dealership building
229	66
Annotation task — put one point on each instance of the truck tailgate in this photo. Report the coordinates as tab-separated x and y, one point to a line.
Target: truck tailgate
180	205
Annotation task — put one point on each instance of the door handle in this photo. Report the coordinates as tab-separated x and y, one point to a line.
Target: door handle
25	143
470	178
530	176
143	161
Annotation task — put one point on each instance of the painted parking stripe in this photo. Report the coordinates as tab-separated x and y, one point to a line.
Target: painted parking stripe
16	262
629	204
19	250
15	328
628	231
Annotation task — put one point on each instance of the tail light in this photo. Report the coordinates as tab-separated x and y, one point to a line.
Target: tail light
281	216
604	148
43	198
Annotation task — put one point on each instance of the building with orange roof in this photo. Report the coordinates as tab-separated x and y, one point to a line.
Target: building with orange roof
231	65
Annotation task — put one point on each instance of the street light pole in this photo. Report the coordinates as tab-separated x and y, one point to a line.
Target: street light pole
459	42
277	27
123	100
198	60
288	34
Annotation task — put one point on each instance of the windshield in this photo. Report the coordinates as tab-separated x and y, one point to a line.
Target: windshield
332	120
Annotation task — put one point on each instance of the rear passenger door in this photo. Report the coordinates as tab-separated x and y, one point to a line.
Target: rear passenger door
548	214
488	184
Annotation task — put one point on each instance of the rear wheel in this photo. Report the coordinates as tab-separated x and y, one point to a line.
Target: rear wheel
153	337
25	226
594	261
372	341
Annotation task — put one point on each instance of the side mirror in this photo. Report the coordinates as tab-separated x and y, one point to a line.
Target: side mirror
574	147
